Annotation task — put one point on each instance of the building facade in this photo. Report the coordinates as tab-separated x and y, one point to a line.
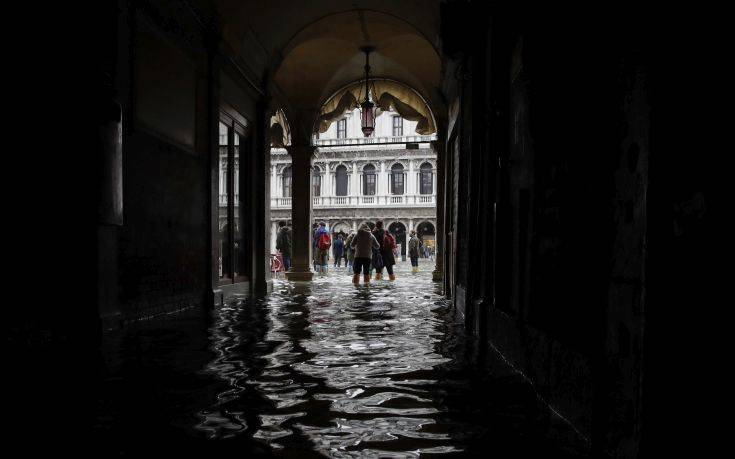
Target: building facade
389	176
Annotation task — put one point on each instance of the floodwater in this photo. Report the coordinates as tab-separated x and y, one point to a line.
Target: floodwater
320	369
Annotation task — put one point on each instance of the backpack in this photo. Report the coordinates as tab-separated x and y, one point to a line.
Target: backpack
324	241
389	242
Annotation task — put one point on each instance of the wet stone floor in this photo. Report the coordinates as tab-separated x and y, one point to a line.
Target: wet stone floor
320	369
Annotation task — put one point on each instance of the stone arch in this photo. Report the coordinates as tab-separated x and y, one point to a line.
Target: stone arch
399	230
341	181
392	96
426	174
279	131
342	225
397	173
370	187
335	164
426	232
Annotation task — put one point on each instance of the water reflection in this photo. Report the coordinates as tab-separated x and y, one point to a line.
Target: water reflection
345	370
328	368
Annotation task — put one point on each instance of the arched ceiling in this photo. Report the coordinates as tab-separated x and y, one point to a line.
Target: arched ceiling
311	49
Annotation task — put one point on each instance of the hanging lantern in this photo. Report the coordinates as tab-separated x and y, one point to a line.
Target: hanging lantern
367	108
368	117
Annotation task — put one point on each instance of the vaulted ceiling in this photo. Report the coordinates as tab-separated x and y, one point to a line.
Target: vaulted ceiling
309	50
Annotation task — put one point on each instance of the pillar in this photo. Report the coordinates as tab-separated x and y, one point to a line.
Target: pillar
382	188
301	205
439	149
259	215
273	180
326	181
355	181
109	212
410	183
274	235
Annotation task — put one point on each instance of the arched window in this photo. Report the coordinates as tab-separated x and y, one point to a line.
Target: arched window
341	179
396	175
287	182
316	180
368	180
427	179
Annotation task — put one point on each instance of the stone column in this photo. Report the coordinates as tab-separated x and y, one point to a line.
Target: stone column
274	234
301	205
326	181
355	182
439	148
410	183
273	180
382	187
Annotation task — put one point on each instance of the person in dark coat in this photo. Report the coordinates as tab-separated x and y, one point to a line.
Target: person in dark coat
283	244
413	252
387	245
338	250
363	243
349	251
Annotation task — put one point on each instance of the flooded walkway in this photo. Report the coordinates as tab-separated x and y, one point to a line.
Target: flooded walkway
321	369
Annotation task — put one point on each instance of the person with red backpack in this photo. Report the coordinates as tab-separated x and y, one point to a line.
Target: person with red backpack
387	247
322	243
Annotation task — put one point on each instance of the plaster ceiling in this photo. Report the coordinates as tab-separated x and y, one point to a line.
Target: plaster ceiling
312	48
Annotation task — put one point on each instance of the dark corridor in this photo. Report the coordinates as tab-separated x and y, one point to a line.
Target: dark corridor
570	305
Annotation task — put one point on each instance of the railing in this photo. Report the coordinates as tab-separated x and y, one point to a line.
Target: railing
374	140
358	201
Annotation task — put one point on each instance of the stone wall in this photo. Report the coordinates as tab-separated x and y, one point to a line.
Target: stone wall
162	245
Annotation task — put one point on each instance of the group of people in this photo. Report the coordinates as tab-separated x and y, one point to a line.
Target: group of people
364	250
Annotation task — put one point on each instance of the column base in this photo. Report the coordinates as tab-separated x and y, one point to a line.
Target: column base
437	275
299	276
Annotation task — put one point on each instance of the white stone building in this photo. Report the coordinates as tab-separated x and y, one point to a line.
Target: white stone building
390	176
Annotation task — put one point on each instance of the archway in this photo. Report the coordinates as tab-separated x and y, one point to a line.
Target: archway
398	230
341	227
324	118
427	235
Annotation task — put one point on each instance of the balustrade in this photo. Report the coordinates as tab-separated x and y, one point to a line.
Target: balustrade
374	140
345	201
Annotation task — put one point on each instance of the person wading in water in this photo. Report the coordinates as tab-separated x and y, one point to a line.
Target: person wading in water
387	246
363	244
